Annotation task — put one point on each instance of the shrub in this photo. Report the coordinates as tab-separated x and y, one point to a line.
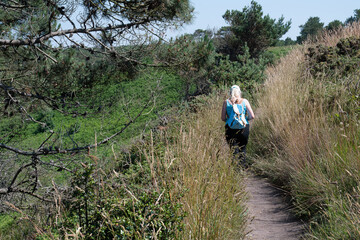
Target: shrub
246	71
101	208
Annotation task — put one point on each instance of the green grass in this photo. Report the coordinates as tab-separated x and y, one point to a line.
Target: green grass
12	227
115	103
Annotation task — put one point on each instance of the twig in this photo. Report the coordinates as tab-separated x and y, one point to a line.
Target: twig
42	144
47	55
24	110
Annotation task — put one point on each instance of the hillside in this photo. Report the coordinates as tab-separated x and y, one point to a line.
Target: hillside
307	135
131	145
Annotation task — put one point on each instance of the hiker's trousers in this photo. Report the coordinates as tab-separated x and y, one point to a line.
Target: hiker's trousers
237	140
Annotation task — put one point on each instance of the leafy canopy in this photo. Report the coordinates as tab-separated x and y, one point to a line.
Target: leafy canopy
333	25
354	18
250	28
311	28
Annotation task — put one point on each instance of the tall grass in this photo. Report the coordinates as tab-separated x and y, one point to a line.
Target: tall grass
307	137
181	184
197	163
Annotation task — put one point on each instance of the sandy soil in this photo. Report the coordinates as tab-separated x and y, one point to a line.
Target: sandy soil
270	216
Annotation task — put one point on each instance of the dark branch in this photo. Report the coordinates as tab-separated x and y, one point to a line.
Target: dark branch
46	100
4	191
17	174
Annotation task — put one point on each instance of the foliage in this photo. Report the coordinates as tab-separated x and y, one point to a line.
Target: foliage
340	221
341	59
201	164
311	28
287	42
195	58
334	25
200	34
12	227
47	70
246	71
108	104
249	27
354	18
274	54
163	188
61	85
102	211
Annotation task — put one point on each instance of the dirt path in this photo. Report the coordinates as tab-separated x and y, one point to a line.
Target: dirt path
269	214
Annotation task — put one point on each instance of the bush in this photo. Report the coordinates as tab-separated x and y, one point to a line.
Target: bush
341	60
246	71
101	208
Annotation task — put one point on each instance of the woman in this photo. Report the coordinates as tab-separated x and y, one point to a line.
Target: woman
237	138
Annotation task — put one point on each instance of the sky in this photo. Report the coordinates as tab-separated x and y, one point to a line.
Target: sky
208	13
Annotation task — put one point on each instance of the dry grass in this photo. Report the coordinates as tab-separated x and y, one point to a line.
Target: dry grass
198	164
331	38
308	132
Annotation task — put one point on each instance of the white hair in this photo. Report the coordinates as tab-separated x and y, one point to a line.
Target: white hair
235	93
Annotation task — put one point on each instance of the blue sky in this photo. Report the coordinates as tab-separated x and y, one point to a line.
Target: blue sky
208	13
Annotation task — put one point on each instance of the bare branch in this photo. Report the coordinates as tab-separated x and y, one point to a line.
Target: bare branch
52	133
32	41
46	100
56	166
47	55
25	111
4	191
62	13
17	174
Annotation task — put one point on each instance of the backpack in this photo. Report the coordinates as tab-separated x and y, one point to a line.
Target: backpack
237	121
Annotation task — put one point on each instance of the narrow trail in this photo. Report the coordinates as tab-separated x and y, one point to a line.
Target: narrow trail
270	217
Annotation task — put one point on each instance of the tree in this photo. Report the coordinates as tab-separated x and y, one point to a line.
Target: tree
334	25
250	28
288	41
44	46
311	28
200	34
354	18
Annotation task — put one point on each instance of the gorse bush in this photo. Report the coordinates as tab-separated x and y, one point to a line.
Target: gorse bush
342	59
307	134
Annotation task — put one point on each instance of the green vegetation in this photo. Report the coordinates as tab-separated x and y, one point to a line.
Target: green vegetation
249	28
311	28
120	136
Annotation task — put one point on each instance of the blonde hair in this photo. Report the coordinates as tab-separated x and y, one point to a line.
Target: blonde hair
235	94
